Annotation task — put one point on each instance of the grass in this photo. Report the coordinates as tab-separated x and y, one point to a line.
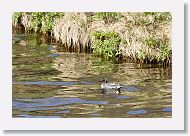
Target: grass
106	44
108	17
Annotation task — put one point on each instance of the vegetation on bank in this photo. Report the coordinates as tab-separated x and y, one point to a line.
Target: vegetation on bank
106	43
36	21
141	36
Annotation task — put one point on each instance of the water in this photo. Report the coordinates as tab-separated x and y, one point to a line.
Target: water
49	82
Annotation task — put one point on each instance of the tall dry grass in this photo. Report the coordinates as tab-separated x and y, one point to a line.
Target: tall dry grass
72	31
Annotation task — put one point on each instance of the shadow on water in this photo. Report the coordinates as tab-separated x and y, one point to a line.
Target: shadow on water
49	82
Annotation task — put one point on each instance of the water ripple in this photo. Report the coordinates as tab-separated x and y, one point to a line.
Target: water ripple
29	116
167	109
137	112
65	83
47	103
46	83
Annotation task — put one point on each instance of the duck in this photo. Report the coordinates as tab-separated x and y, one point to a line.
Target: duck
109	86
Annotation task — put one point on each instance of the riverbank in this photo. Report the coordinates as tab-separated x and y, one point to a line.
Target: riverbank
141	36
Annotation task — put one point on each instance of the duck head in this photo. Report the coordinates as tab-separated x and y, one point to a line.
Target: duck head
104	80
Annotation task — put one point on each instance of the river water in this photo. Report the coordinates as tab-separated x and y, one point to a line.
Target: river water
49	82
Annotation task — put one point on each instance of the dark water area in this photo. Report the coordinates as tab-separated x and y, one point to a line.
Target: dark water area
49	82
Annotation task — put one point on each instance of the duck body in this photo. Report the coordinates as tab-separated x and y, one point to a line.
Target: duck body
109	86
